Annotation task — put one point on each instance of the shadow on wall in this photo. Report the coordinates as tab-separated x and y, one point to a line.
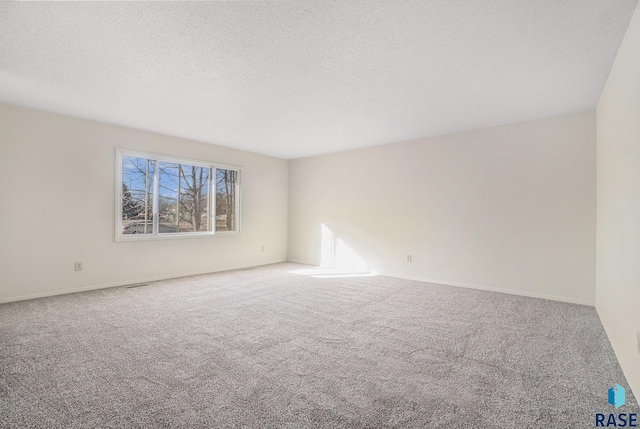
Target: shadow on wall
336	259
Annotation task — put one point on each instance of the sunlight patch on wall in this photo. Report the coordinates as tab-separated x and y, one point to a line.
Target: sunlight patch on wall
327	246
337	259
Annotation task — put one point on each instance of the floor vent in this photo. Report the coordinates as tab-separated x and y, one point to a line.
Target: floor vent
136	285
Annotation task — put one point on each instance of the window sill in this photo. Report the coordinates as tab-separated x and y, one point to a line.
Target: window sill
171	236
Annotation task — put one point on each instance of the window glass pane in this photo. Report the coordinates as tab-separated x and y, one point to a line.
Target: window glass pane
226	190
168	185
183	198
137	195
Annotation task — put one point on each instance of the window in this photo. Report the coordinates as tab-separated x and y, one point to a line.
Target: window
162	197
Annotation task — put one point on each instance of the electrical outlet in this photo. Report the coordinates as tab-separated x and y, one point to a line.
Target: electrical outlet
262	248
409	258
78	266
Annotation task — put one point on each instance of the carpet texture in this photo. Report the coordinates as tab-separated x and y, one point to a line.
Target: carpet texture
267	348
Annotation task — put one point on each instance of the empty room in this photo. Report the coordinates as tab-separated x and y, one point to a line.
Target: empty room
320	214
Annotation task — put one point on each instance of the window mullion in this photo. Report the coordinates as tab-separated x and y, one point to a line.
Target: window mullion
146	196
156	199
212	199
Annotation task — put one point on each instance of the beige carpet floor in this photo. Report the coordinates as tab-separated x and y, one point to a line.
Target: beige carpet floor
268	348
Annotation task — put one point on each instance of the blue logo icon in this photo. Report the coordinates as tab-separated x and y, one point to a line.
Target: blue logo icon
616	396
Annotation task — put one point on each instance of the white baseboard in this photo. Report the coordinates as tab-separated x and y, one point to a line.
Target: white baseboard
298	261
512	292
92	287
635	387
479	287
121	283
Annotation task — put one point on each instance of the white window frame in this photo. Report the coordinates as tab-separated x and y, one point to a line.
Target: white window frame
119	236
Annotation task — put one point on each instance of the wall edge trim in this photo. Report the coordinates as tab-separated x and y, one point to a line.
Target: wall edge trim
123	283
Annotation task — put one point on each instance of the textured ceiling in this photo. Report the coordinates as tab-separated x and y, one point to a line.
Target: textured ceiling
293	79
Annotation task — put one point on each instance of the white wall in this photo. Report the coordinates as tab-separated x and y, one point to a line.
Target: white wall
57	196
618	230
510	208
